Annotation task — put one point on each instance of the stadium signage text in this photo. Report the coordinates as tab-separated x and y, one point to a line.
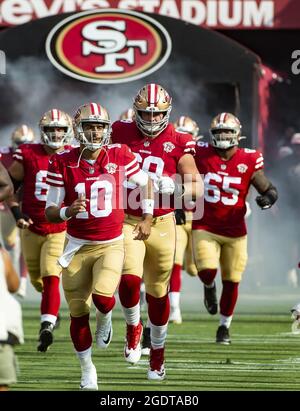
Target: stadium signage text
108	46
209	13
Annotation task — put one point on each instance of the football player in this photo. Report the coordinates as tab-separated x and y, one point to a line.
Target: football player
89	180
42	242
127	115
10	233
162	152
183	254
220	237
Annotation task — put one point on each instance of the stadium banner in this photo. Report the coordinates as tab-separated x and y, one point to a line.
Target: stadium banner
216	14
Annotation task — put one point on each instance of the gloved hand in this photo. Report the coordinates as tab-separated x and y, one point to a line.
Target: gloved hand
168	186
180	217
263	202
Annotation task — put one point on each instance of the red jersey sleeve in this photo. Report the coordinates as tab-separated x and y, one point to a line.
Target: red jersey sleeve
128	160
257	159
20	154
186	143
54	174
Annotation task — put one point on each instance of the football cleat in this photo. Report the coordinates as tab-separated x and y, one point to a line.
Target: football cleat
146	341
175	316
222	336
132	350
104	332
89	379
210	299
156	370
45	336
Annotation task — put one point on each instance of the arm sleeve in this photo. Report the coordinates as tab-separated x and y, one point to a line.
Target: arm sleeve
186	144
19	154
55	196
129	162
54	174
258	161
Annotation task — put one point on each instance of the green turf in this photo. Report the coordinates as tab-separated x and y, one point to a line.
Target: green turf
264	355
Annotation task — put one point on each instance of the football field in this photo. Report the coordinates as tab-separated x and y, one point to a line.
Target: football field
264	354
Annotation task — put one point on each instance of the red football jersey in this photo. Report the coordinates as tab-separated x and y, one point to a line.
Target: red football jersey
101	183
7	156
35	160
226	185
157	156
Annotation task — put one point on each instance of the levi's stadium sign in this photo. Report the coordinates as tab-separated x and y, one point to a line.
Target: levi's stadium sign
108	46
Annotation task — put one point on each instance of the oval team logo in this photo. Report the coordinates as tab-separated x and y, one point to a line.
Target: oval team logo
108	46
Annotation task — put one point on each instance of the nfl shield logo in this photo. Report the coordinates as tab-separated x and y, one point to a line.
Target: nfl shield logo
91	170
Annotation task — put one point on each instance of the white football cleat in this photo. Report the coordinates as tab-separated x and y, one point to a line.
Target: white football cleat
89	379
132	350
23	287
104	331
175	315
156	370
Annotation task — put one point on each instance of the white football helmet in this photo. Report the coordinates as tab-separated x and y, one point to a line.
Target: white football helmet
55	119
186	124
22	135
92	113
152	98
225	131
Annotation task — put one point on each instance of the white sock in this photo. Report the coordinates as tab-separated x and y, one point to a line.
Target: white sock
174	299
210	285
48	317
225	320
102	319
158	335
132	314
85	358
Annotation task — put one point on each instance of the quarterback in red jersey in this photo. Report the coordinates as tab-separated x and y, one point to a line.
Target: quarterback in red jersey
89	180
162	152
10	233
42	242
220	237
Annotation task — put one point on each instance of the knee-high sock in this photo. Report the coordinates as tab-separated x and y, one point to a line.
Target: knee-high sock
81	333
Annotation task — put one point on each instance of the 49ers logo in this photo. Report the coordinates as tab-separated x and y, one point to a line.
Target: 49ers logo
108	46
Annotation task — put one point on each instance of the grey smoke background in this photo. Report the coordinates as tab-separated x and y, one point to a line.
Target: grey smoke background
32	86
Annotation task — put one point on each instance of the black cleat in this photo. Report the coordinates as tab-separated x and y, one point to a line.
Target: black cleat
57	324
210	299
46	336
146	341
223	336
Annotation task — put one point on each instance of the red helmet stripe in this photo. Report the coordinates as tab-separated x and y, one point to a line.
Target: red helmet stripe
223	117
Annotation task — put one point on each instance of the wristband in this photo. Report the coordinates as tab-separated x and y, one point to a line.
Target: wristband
148	206
62	214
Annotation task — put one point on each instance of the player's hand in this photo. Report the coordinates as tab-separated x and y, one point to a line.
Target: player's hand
143	229
78	206
263	202
180	217
24	222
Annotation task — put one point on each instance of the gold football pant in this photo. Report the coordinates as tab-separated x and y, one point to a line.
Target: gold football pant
153	258
212	250
94	269
41	254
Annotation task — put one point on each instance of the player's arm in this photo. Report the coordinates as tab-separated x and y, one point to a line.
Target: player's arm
145	184
268	193
16	172
12	278
6	187
192	180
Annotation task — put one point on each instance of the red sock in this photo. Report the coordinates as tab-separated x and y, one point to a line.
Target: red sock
104	304
129	290
175	282
207	276
80	332
228	298
158	309
50	296
23	267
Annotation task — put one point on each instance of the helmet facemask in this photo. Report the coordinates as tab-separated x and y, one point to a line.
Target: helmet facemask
55	139
152	128
91	139
224	138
